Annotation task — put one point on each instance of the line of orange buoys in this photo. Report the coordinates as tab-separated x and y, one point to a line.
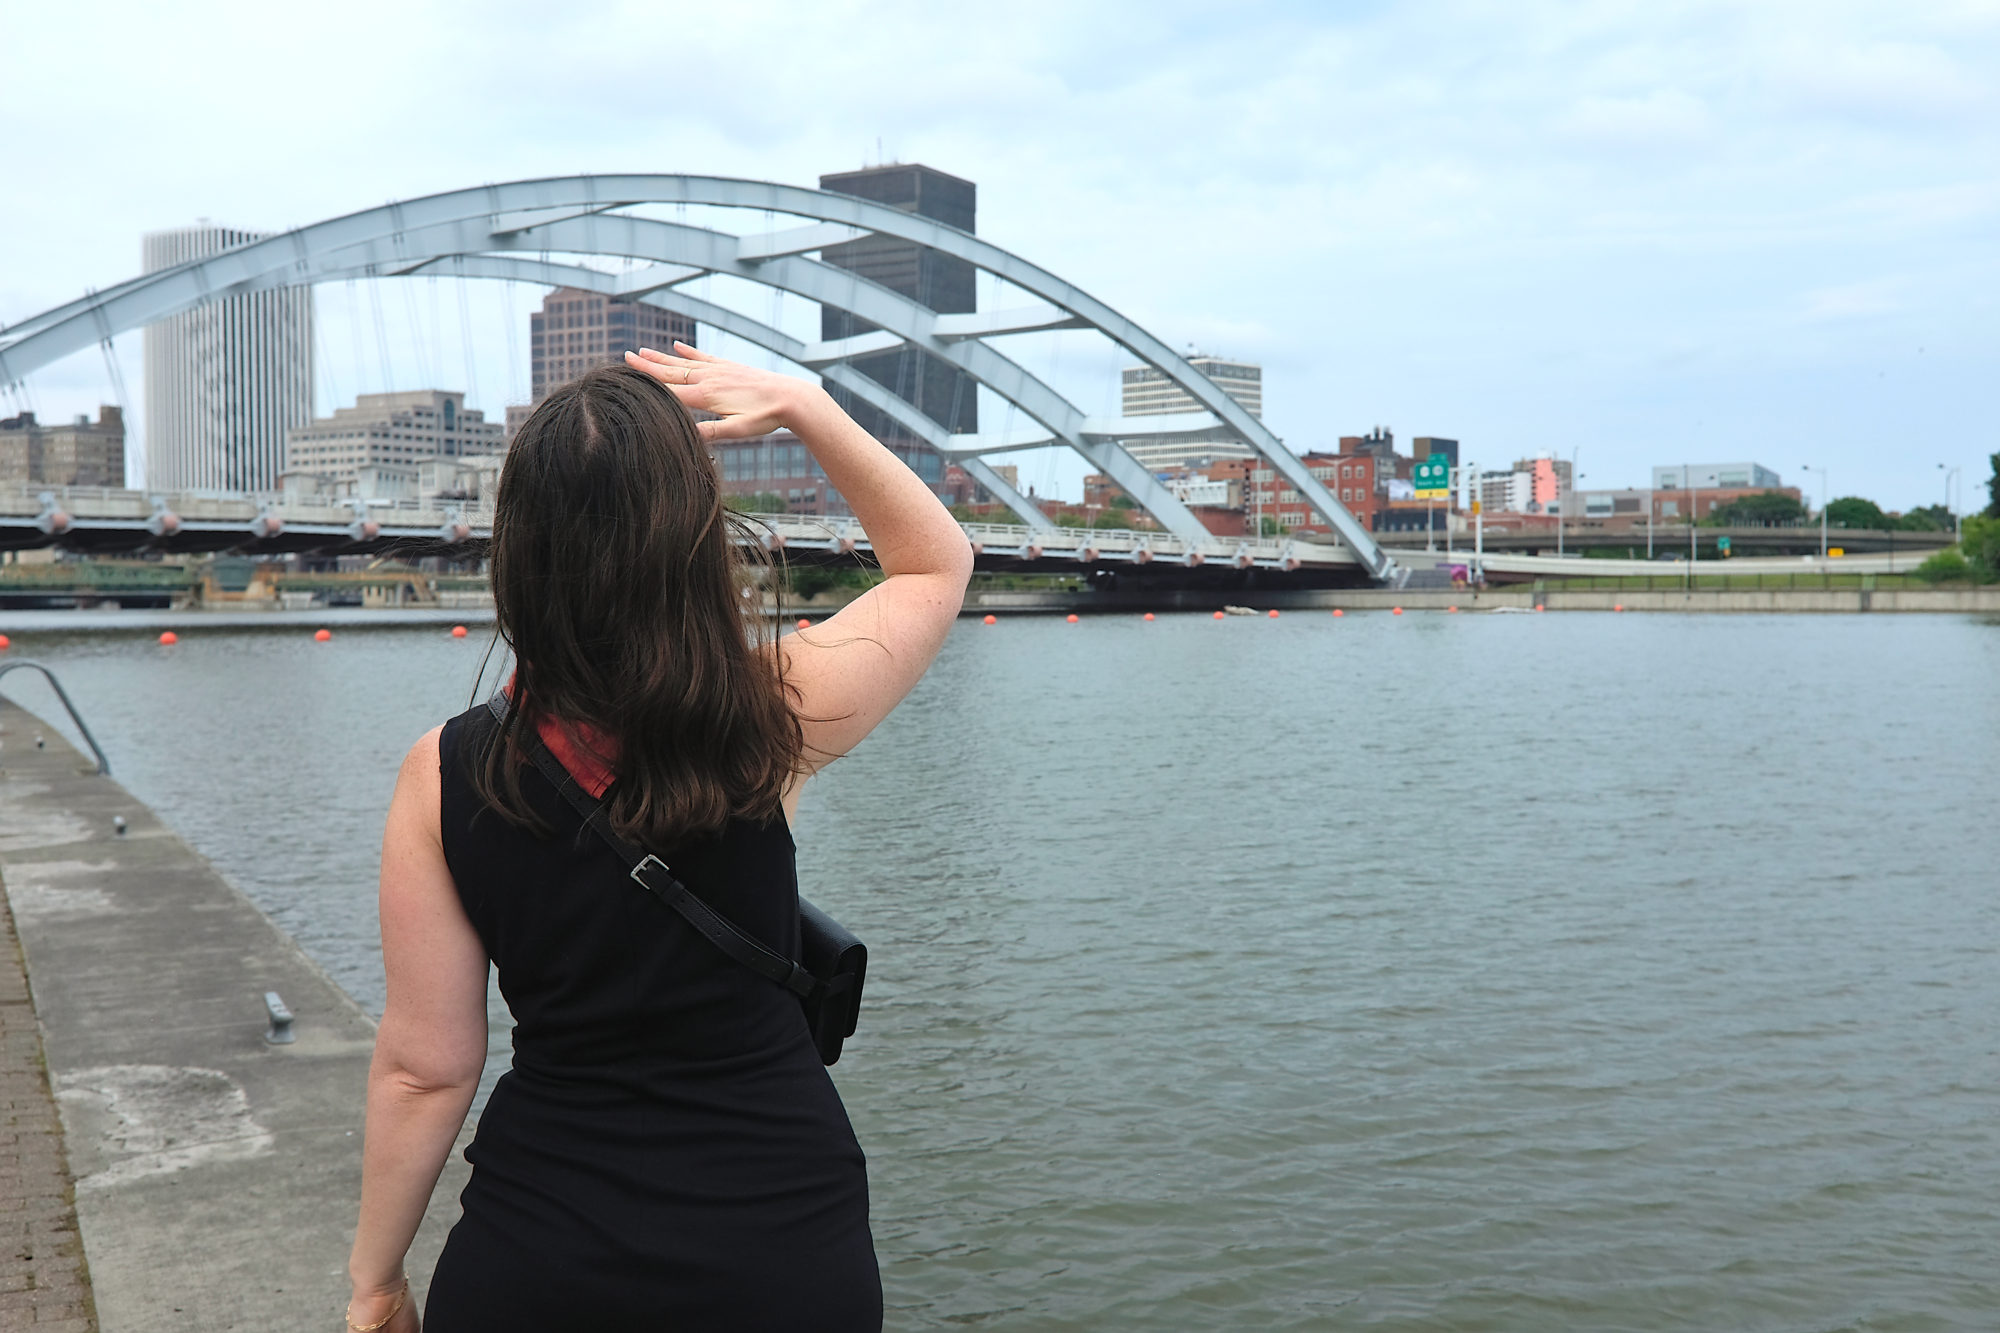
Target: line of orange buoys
168	638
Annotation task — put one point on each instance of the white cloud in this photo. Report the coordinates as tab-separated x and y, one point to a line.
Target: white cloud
1880	81
1877	296
1663	117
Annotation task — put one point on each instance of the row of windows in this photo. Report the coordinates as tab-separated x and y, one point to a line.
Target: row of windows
1214	370
781	460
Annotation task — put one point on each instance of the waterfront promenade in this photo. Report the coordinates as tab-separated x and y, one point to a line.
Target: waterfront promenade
215	1175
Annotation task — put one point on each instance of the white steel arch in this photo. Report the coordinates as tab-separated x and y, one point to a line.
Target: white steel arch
577	214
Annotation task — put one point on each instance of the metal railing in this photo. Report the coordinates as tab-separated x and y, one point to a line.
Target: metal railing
103	764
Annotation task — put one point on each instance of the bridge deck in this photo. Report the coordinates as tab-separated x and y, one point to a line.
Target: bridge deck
105	519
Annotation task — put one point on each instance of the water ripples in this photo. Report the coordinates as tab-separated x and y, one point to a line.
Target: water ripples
1510	973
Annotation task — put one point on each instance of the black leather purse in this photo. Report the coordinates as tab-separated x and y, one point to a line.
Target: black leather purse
826	979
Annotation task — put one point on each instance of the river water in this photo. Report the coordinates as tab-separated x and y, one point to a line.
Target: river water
1473	972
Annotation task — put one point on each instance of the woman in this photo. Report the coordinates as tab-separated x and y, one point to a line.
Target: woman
666	1151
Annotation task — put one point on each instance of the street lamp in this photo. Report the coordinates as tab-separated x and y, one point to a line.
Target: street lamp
1574	451
1808	467
1951	510
1693	508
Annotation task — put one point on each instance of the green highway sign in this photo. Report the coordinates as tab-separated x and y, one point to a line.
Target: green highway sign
1432	478
1722	545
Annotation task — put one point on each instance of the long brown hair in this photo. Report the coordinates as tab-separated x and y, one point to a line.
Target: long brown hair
619	582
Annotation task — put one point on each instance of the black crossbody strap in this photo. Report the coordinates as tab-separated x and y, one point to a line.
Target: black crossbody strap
650	873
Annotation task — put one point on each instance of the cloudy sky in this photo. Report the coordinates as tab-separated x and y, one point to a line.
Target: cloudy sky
1652	232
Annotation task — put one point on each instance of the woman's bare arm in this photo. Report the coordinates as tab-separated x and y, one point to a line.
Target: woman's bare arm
856	666
431	1046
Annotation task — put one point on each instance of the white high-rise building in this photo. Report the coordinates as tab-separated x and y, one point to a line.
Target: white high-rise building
1148	392
226	380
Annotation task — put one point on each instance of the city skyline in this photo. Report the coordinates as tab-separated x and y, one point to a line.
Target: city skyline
1651	234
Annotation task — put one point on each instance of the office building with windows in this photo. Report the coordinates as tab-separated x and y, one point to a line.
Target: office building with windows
577	330
399	430
226	380
1147	392
76	453
1715	476
941	282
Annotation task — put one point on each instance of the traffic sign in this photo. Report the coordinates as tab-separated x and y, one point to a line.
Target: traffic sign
1432	478
1722	545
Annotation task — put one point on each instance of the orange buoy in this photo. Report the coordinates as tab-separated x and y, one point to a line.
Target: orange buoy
1149	615
1619	607
322	635
1541	608
1274	613
1396	610
459	631
169	638
1071	617
804	623
992	620
1451	608
5	643
1337	611
1218	615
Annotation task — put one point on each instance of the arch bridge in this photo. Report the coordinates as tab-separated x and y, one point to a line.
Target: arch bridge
539	231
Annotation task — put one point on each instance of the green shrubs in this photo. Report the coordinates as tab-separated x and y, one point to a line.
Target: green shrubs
1770	509
1976	559
1980	543
1947	566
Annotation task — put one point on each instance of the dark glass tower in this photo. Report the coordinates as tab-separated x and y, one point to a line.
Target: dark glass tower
940	391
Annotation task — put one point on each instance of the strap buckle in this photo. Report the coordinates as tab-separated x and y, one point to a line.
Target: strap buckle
650	862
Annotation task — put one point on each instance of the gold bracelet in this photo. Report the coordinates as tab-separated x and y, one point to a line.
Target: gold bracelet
394	1310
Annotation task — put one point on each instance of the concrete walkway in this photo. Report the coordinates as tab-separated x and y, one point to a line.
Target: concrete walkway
216	1175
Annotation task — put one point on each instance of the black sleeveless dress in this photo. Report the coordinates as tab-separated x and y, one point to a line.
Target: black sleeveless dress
667	1151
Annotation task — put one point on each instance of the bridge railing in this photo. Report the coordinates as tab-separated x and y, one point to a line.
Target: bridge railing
63	508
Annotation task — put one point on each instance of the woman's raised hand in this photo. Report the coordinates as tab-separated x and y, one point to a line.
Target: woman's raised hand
751	402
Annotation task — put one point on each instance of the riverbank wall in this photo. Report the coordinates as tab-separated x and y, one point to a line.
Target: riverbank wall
216	1174
1524	597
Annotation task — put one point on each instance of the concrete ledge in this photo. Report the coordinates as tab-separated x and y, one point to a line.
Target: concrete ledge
1960	601
216	1176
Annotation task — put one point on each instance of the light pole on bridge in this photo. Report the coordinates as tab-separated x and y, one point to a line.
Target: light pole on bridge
1808	467
1951	475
